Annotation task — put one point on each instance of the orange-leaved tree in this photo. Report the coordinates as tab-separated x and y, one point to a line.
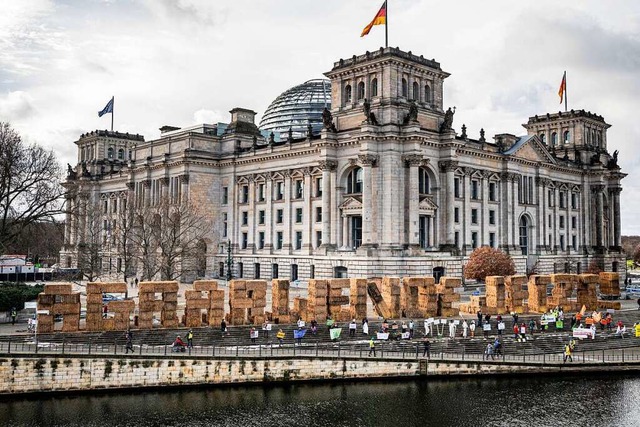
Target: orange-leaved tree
487	261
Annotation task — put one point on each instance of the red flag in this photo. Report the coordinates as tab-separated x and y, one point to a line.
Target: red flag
563	87
380	18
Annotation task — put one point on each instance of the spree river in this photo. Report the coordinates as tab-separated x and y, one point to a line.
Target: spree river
532	402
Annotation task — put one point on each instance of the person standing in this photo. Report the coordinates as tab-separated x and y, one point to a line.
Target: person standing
472	328
489	352
365	326
479	314
567	354
372	347
452	329
14	314
252	335
223	327
411	328
280	336
352	328
190	339
129	345
465	328
427	348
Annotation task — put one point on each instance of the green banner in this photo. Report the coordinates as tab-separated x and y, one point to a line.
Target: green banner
335	333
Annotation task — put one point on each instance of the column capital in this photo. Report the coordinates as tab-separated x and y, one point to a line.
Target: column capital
184	178
327	165
368	159
131	185
596	189
164	181
447	165
615	191
412	159
146	183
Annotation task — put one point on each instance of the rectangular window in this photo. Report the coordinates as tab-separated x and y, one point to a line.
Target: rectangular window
274	271
492	217
474	216
221	269
312	271
549	223
279	240
574	222
456	238
562	242
294	272
224	224
244	194
240	269
574	242
492	240
114	206
561	221
318	187
456	215
474	190
261	240
550	198
279	190
261	192
492	191
298	240
256	270
318	238
279	215
245	218
456	187
105	206
245	240
561	199
574	201
261	215
299	189
319	214
298	215
474	239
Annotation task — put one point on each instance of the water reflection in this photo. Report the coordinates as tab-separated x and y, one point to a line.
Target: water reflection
545	401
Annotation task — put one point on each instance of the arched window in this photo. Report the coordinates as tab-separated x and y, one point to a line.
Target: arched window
599	139
588	137
354	181
405	89
423	181
110	153
554	139
347	93
524	235
121	154
374	87
360	90
594	138
427	94
416	91
543	138
566	137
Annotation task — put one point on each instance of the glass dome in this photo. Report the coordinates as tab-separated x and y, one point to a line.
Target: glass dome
298	108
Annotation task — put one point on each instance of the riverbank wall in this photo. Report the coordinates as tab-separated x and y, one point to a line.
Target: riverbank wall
27	375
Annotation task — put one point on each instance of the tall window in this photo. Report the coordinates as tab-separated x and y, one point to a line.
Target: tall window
405	88
354	181
416	91
456	187
298	215
299	189
121	154
566	137
319	187
423	181
225	195
279	240
554	139
298	240
224	224
524	235
279	190
347	93
543	138
492	191
475	193
261	240
318	213
360	90
279	216
110	153
261	192
474	216
294	272
245	240
261	215
427	94
244	195
374	87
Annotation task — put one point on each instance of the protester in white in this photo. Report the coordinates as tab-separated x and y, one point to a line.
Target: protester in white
365	328
452	330
465	328
300	323
593	331
472	328
427	327
352	328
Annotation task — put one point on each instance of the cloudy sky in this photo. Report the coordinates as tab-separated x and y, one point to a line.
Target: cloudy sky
182	62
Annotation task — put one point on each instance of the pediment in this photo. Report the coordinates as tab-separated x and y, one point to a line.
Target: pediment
530	148
351	203
427	204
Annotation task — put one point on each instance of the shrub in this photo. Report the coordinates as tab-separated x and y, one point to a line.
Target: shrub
487	261
16	294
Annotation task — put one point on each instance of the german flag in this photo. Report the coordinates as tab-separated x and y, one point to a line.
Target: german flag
380	19
563	87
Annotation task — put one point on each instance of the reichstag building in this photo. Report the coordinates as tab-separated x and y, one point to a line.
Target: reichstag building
363	175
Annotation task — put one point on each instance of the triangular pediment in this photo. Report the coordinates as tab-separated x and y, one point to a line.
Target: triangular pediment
530	148
427	204
351	203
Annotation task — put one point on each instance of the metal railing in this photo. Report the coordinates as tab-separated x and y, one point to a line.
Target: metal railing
414	351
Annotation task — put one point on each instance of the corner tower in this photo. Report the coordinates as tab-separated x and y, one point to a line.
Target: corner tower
391	80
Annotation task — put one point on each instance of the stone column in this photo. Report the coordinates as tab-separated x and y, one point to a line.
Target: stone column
599	196
286	244
615	192
307	220
413	162
432	233
505	203
345	231
146	185
327	166
368	161
251	222
555	226
184	191
466	210
268	215
448	168
484	219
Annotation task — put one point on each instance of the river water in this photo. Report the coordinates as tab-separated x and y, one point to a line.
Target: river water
532	402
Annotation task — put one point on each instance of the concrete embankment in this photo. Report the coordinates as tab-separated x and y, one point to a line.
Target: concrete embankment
25	375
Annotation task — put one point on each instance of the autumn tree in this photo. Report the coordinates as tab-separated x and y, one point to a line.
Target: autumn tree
30	189
487	261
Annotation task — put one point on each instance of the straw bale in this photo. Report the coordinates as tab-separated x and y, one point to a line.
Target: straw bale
57	289
205	285
197	304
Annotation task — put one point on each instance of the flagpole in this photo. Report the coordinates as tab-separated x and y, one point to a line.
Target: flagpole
386	23
112	107
565	91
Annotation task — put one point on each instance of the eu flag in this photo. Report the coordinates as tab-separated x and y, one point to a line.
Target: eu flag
107	108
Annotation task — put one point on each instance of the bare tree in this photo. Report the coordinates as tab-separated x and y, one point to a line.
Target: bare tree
124	236
91	243
30	189
168	237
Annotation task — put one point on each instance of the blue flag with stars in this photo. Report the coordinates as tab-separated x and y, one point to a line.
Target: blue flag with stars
107	108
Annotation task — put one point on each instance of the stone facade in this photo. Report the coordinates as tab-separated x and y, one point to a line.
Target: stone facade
395	191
